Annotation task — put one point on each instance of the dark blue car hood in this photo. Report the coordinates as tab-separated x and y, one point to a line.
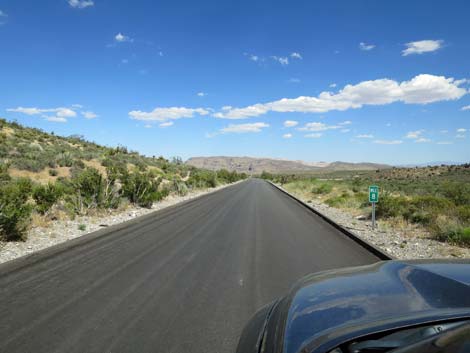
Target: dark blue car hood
329	306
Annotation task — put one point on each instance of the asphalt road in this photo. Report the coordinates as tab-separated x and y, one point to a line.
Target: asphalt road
185	279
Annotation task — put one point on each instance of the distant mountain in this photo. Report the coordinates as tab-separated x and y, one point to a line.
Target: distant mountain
430	164
257	165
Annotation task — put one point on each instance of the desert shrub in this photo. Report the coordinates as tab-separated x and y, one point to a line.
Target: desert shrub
30	164
4	176
459	193
202	179
179	187
390	206
424	209
449	229
463	213
141	188
53	172
46	196
15	210
336	201
64	159
78	163
266	175
86	189
224	176
324	188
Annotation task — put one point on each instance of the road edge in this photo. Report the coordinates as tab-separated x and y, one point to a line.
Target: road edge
381	254
21	262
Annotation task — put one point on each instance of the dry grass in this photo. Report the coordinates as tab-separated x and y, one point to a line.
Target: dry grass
8	131
41	177
94	163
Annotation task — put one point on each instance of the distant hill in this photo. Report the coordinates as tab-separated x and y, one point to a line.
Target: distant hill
257	165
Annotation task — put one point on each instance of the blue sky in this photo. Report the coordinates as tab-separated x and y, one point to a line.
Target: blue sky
307	80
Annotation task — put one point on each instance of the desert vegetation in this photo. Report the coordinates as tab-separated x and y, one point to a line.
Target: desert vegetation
44	175
436	198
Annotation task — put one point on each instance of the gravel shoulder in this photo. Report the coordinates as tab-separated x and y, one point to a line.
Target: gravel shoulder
60	231
402	241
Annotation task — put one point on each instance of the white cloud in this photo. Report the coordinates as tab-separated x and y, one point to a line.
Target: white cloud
315	135
294	80
365	136
148	126
243	128
89	115
318	126
59	114
422	46
414	134
55	119
460	136
444	131
166	114
467	107
287	136
290	123
422	140
121	38
80	4
388	142
201	94
283	60
166	124
366	47
345	130
295	55
332	85
445	143
461	130
421	89
347	122
3	17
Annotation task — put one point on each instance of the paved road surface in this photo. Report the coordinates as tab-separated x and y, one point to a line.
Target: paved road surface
185	279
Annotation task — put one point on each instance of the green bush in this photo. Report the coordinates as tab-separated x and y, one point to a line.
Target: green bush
424	209
324	188
141	188
53	172
336	201
15	210
202	179
450	230
179	187
87	190
64	159
390	206
46	196
4	176
459	193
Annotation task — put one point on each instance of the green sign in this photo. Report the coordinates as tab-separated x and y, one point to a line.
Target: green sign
373	193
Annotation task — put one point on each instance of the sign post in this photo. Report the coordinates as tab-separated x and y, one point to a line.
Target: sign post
373	198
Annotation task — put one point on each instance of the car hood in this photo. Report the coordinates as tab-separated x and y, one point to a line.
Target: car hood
328	307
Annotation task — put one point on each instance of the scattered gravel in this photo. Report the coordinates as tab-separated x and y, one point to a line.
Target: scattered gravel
60	231
404	242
